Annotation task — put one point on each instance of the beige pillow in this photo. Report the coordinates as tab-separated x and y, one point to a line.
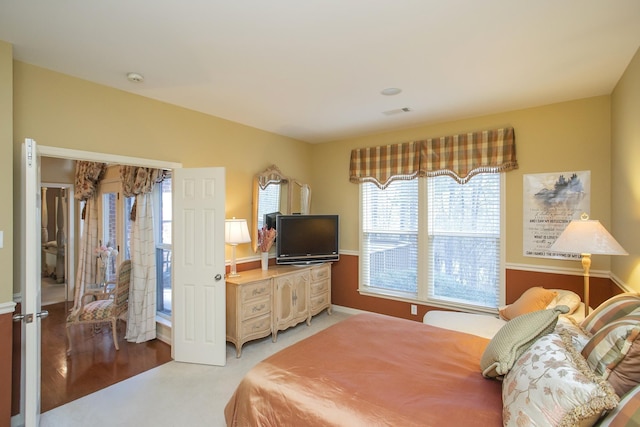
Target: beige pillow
533	299
515	337
565	297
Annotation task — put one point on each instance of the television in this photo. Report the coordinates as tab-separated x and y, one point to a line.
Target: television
306	239
270	219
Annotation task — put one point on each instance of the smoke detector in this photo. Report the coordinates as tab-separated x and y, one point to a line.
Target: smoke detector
135	77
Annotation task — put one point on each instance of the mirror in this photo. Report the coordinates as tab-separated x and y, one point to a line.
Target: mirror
275	192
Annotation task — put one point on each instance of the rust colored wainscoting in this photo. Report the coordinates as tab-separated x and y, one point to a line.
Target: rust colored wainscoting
344	289
6	338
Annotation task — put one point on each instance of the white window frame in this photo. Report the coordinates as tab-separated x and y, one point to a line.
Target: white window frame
157	206
423	273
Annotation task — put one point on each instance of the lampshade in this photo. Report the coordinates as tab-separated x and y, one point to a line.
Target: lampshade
587	236
236	231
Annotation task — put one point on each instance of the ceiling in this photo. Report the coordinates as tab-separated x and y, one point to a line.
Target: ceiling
314	69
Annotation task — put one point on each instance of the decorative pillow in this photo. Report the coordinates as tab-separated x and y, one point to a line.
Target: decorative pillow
569	326
610	310
514	338
565	297
627	413
552	385
614	352
533	299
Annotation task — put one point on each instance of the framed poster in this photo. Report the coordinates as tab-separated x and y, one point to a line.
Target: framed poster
551	201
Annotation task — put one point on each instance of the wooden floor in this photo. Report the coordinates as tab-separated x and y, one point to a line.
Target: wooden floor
94	363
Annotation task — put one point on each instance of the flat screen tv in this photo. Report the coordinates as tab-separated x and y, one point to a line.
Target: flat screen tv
306	239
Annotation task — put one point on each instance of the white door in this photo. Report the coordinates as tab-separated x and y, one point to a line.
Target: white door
30	284
199	328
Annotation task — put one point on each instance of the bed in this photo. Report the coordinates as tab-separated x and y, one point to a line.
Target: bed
328	380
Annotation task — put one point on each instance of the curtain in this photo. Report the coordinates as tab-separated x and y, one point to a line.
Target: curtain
459	156
384	164
465	155
139	182
141	324
86	180
86	272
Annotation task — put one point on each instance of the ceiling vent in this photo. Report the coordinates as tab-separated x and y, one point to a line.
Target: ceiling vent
396	111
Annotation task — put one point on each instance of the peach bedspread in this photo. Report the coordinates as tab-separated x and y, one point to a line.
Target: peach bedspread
371	370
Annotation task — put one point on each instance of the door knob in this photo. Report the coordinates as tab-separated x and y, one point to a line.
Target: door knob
218	277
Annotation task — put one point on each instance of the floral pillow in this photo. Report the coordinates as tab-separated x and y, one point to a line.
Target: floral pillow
551	385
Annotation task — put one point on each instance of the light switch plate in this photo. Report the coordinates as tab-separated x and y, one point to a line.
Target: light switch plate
1	239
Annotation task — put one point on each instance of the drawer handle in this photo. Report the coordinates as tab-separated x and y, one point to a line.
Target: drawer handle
258	291
256	308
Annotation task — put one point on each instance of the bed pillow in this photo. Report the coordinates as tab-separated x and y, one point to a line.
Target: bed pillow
514	338
610	310
627	413
569	326
533	299
565	297
614	352
552	385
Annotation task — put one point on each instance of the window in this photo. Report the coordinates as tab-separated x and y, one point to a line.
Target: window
268	202
434	240
110	229
162	213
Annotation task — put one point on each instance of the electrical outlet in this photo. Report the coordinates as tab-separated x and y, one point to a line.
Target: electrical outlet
414	309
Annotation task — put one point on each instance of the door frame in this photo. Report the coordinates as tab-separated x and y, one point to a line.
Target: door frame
66	153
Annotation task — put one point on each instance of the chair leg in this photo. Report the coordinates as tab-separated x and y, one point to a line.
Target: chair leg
114	329
69	339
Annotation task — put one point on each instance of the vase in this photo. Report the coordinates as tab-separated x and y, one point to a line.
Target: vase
264	259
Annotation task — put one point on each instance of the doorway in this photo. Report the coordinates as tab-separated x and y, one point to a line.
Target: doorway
94	364
57	218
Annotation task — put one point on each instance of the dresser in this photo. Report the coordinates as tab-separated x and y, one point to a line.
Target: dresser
262	303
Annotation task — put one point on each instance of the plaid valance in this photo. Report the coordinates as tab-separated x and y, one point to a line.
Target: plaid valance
459	156
384	164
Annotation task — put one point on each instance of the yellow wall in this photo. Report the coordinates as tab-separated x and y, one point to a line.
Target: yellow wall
61	111
571	136
625	175
6	170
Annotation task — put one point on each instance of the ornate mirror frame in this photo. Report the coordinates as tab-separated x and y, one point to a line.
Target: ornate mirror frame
294	197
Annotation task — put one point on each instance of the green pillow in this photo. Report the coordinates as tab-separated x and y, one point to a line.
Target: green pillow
515	337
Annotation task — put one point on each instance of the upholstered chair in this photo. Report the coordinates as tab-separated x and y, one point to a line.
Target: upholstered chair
107	308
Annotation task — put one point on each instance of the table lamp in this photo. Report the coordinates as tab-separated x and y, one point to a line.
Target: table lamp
587	237
235	233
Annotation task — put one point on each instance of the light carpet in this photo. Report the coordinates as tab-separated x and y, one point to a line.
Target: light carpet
179	394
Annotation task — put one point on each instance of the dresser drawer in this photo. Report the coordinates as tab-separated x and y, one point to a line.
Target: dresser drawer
255	308
319	301
258	325
319	273
255	290
319	287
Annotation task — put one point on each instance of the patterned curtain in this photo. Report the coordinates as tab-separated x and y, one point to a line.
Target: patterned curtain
465	155
87	270
87	179
459	156
384	164
141	324
139	182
